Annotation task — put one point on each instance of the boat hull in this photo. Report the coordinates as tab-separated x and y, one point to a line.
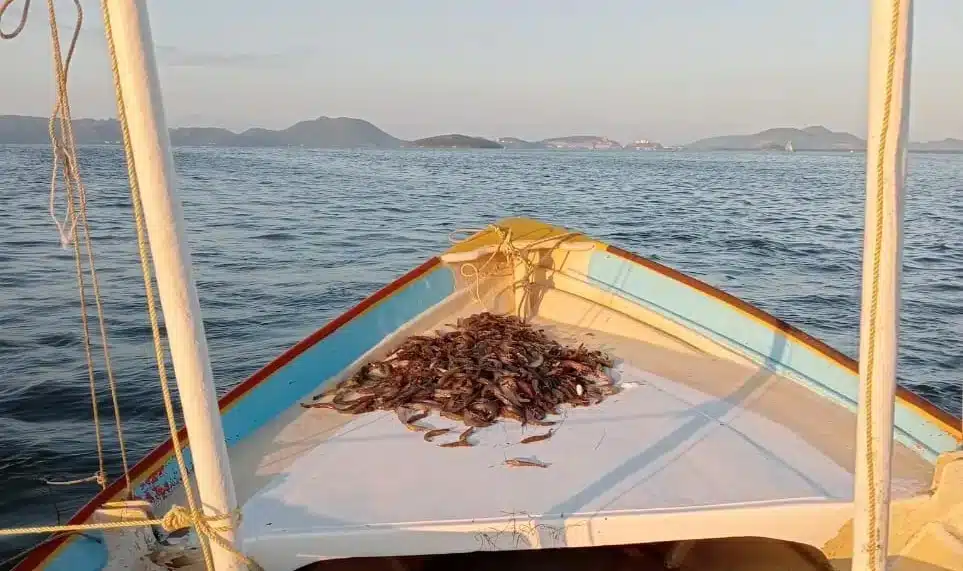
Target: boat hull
585	273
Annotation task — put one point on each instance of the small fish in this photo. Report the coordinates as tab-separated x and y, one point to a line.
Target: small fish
407	416
543	422
463	437
538	438
431	434
378	371
416	417
330	405
456	444
450	415
416	427
324	393
525	463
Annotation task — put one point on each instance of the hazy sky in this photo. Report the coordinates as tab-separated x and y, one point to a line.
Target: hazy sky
670	70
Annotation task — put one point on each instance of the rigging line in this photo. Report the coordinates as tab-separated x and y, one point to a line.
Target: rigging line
23	19
95	283
205	534
61	145
65	144
71	177
871	459
65	163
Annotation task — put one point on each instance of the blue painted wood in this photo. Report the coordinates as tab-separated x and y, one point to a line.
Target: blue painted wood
84	553
324	360
735	329
284	389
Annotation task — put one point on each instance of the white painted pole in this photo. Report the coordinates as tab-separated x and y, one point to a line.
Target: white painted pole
172	261
877	353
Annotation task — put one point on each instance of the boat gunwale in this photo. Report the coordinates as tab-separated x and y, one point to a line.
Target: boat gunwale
950	423
150	463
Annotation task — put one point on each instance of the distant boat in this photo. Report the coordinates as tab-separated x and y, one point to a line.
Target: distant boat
789	147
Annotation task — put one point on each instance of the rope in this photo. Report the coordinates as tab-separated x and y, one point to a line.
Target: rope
205	532
513	254
65	164
71	160
175	519
65	145
76	221
874	529
23	19
99	478
145	262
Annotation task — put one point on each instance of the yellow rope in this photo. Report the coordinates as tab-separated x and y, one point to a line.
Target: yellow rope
97	478
204	531
145	260
874	529
65	145
20	25
175	519
513	255
65	165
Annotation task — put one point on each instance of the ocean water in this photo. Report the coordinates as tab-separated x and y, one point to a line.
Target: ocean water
285	239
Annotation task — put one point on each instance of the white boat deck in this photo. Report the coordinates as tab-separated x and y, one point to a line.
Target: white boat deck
666	458
655	445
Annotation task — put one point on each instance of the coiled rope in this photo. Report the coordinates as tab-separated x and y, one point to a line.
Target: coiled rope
513	255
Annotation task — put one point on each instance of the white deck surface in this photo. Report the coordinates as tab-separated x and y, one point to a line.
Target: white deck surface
657	445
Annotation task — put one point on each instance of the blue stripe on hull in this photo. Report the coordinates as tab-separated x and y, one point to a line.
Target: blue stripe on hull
84	552
735	329
324	360
284	389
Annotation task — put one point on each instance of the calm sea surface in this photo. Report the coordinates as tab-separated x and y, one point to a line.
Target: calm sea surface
284	240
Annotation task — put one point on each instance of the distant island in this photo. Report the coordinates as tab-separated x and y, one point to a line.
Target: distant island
352	133
323	132
815	138
948	145
454	141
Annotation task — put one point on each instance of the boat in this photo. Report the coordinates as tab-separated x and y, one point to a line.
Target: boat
732	439
732	424
789	147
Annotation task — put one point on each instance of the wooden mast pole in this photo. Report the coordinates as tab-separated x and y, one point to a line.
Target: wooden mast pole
163	216
888	114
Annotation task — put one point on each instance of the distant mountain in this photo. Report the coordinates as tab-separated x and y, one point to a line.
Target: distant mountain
323	132
817	138
455	141
320	133
944	146
349	133
33	130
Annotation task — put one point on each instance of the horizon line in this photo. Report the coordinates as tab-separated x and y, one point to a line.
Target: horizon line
320	117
